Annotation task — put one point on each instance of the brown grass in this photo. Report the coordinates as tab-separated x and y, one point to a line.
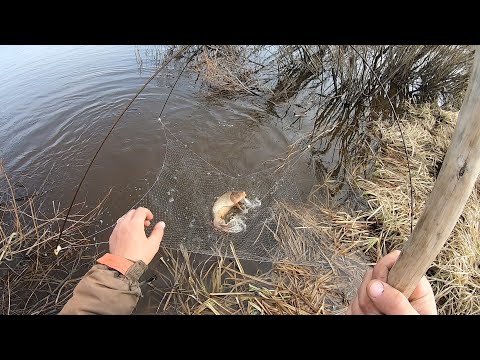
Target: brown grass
219	286
323	284
339	243
455	274
33	279
224	70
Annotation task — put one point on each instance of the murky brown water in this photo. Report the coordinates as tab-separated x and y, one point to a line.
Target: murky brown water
58	102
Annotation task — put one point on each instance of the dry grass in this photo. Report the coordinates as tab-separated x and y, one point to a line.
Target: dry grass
455	274
339	243
222	287
224	70
323	284
33	278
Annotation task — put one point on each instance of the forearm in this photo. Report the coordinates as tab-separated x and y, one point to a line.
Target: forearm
104	291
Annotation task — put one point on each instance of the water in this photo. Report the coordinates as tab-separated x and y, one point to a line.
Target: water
57	103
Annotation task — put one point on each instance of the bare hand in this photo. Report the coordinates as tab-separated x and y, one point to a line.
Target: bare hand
128	239
375	296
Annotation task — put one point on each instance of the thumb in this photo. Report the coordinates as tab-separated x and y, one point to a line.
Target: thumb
157	234
389	300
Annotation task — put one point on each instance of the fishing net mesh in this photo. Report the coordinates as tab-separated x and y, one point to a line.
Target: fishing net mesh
186	188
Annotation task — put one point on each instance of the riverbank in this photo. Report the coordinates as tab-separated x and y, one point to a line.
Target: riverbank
343	241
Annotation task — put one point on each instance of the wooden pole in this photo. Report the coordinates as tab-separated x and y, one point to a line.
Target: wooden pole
452	189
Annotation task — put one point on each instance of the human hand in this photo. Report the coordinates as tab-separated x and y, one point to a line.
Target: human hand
128	238
376	297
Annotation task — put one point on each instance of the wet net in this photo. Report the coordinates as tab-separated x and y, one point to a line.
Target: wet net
184	193
187	186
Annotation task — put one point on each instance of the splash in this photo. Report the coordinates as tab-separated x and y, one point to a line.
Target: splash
237	222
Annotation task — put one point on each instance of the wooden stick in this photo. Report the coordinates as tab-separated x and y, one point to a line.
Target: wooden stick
452	189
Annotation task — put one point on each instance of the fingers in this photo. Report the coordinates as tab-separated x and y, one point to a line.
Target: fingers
381	269
157	234
142	214
128	215
147	223
354	308
363	304
423	288
376	296
423	298
389	300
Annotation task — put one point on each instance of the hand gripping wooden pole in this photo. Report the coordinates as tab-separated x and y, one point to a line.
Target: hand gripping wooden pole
452	189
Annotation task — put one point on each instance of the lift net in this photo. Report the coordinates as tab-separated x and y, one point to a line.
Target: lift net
186	189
